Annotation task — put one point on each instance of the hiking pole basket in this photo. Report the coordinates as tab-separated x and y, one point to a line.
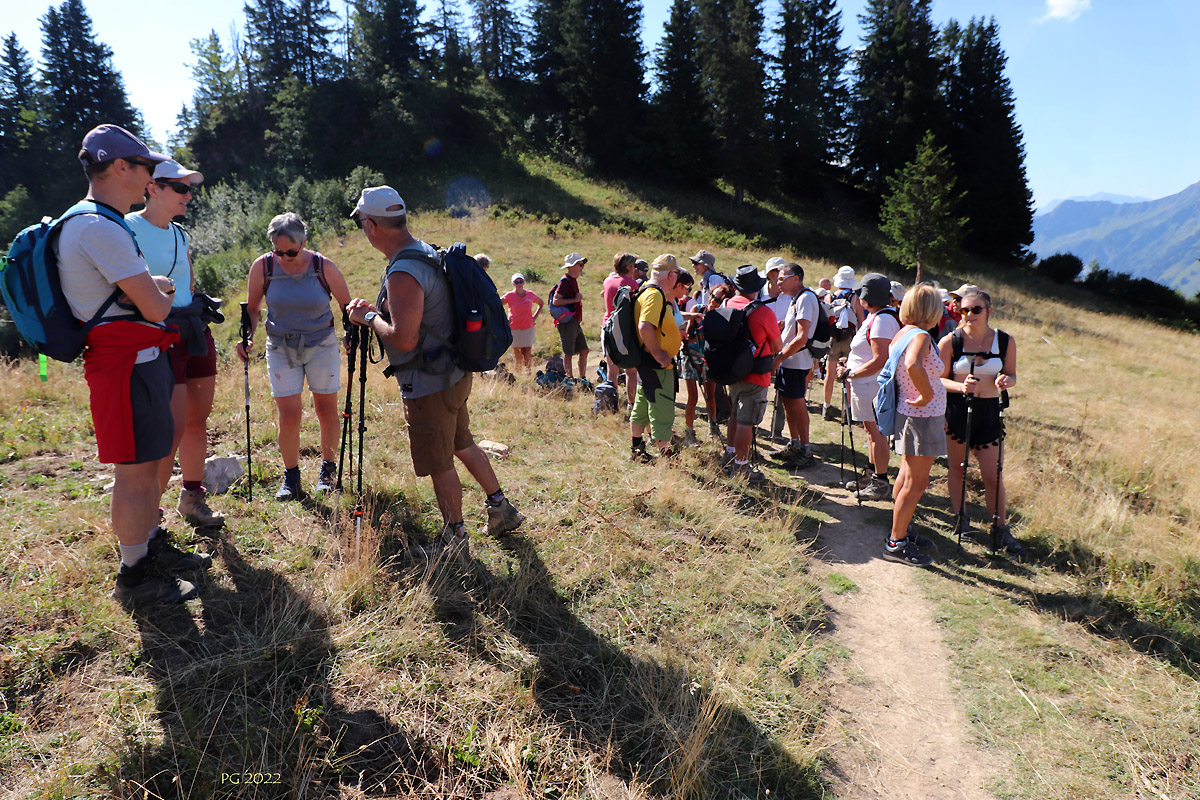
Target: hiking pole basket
245	333
348	409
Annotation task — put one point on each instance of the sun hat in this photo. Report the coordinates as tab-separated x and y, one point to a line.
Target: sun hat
960	291
898	290
172	170
845	278
665	263
704	257
773	263
571	260
379	201
875	289
107	142
747	280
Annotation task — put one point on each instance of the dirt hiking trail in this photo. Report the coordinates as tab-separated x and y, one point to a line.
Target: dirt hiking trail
894	729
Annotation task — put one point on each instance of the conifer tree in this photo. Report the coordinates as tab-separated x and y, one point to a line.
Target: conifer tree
498	39
271	42
810	97
918	215
895	95
545	50
312	34
19	118
386	37
453	63
683	127
985	143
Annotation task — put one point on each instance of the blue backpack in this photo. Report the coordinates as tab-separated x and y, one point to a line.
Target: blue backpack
482	334
32	290
886	397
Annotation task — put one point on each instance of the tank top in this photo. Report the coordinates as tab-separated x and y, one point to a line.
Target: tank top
932	363
988	367
298	306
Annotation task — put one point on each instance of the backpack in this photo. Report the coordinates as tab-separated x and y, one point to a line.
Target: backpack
32	290
318	267
821	334
560	314
621	341
891	312
481	333
606	398
843	320
887	396
729	350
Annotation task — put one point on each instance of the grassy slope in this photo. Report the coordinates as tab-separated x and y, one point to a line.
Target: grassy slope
652	631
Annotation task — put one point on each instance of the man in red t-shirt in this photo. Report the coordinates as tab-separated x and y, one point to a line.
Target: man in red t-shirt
748	397
570	328
621	275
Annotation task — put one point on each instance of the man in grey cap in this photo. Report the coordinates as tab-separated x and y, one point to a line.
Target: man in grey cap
414	317
106	280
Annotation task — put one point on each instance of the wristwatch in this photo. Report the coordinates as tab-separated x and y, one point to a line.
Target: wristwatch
368	317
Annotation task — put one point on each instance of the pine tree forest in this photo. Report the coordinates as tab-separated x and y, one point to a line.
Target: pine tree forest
763	97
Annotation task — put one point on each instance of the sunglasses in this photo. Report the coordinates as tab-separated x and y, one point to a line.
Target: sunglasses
516	282
974	309
288	253
139	163
176	186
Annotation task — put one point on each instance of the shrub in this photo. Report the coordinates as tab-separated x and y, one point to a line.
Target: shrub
1061	267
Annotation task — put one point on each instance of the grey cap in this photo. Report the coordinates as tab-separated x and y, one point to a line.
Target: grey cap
107	142
875	289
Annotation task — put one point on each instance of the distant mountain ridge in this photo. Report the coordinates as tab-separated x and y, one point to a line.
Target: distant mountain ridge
1109	197
1155	239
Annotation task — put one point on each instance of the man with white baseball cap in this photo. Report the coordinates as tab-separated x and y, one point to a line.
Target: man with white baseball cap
413	320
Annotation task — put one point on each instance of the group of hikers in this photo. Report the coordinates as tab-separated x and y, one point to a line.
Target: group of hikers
150	360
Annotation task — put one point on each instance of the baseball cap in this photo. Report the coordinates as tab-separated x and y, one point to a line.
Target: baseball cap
380	201
107	142
173	171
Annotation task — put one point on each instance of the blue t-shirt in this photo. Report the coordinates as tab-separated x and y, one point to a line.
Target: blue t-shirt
166	253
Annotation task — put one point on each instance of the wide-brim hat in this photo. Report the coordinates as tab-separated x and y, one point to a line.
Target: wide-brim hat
572	259
747	280
875	289
845	278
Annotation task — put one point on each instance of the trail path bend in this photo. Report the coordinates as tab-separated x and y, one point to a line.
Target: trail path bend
895	730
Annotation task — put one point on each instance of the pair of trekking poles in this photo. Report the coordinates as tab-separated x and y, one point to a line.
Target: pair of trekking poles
359	347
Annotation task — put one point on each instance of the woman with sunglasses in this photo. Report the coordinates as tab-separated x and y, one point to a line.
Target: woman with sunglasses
301	343
522	319
164	244
981	361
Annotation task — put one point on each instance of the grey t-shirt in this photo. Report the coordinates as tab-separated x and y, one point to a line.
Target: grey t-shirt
437	317
93	254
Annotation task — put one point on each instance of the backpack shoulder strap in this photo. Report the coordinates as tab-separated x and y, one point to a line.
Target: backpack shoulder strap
956	338
268	270
319	268
92	207
1002	339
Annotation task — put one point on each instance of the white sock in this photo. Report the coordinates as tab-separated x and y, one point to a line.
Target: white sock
729	449
741	463
131	554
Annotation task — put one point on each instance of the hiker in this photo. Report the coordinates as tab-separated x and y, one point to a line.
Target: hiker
954	303
868	354
126	365
641	271
415	314
690	361
621	275
898	292
794	363
697	366
748	397
848	314
522	319
984	377
164	245
302	343
570	326
483	260
658	332
772	294
920	417
707	275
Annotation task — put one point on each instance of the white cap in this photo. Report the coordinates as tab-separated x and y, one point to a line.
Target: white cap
517	277
174	171
380	201
898	290
774	262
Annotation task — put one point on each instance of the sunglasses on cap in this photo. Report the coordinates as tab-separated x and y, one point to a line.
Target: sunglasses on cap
176	186
288	253
974	309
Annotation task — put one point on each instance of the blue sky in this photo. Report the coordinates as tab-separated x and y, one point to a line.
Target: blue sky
1108	91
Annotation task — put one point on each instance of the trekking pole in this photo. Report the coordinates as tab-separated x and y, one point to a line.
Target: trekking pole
962	522
842	450
364	344
246	374
849	423
999	475
347	410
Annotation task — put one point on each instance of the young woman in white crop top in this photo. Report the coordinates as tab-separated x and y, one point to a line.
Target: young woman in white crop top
983	366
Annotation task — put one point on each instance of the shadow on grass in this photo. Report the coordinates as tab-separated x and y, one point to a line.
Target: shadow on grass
244	700
647	721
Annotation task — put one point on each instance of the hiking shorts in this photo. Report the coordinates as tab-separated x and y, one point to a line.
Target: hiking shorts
438	427
862	393
748	402
839	350
288	367
150	389
691	362
570	333
523	337
921	436
186	366
985	420
658	411
792	382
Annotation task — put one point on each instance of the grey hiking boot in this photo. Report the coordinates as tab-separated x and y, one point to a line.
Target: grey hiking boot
290	489
714	432
793	458
689	438
503	518
905	552
725	459
876	489
639	455
171	559
193	506
146	583
327	480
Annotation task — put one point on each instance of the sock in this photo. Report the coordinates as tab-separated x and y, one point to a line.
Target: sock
879	478
292	472
458	529
329	464
741	463
193	486
131	554
729	449
495	499
796	444
894	543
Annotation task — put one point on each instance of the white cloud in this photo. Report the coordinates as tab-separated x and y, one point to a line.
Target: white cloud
1067	10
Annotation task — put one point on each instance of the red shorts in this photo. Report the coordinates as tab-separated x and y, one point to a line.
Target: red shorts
187	366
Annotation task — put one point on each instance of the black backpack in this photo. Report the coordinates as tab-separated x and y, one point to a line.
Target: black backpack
729	349
956	340
621	341
821	333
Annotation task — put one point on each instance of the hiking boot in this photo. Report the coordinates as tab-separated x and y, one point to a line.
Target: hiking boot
289	489
714	431
171	559
147	583
639	455
793	458
194	508
830	413
327	480
752	475
503	518
1002	539
861	482
905	552
876	489
726	459
450	545
689	438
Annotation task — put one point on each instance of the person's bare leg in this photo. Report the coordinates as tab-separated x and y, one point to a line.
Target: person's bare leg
583	356
448	490
476	462
329	418
179	414
954	472
908	495
135	495
194	447
291	412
